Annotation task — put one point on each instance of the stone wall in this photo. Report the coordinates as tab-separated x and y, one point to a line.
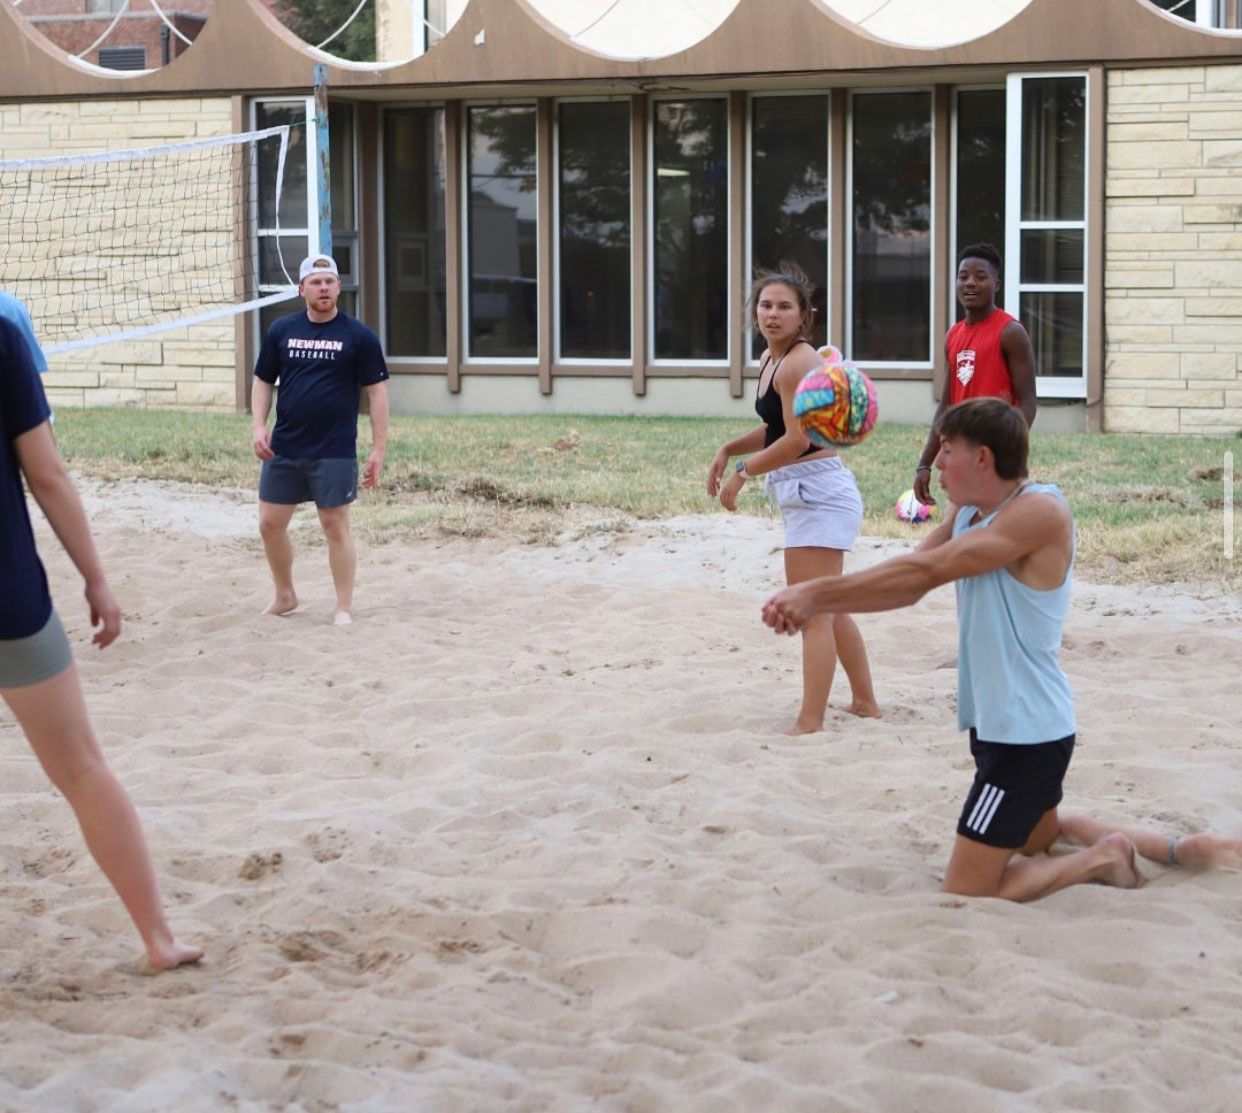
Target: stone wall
189	368
1173	251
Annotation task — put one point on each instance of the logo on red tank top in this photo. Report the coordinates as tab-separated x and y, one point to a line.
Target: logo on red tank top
965	365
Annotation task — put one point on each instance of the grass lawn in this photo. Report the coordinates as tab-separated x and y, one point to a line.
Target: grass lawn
1148	508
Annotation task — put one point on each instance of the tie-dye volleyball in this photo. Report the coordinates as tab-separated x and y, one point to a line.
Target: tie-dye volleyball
835	403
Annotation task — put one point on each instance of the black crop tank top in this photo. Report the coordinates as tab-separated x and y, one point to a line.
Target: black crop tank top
768	404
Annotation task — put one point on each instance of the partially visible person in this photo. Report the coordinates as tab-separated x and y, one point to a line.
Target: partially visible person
323	359
1010	549
38	679
988	354
819	501
14	311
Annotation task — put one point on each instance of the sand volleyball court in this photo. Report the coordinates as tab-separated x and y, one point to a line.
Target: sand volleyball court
528	837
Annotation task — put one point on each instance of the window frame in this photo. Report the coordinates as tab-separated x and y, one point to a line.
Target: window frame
1046	386
749	201
649	278
929	363
382	229
557	358
467	356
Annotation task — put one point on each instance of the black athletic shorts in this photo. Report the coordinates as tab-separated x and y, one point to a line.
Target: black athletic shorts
327	483
1014	786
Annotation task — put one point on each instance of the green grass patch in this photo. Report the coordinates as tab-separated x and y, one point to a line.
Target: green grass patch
1148	508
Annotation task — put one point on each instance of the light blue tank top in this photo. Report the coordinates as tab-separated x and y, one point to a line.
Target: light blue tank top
1010	684
14	311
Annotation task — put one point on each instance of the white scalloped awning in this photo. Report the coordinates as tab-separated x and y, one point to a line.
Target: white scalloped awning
635	28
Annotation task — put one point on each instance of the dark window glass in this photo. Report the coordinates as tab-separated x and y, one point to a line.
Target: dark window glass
293	189
415	290
501	215
1054	321
892	238
691	200
1054	148
594	206
980	201
1052	255
789	193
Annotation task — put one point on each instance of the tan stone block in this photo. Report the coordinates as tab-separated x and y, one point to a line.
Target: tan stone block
1164	75
1214	125
1213	214
1179	155
1221	241
1130	276
1139	419
65	399
169	106
1150	242
199	355
1144	218
1206	399
1227	419
1140	365
131	351
1222	152
1136	334
1148	384
48	112
65	378
214	395
1220	79
171	374
1148	186
117	398
1209	365
1125	132
1147	95
123	377
1214	307
1158	311
1208	273
1229	185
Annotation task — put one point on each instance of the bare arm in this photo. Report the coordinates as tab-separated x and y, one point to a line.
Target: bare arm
904	580
260	407
739	446
931	446
1020	356
786	449
56	495
377	403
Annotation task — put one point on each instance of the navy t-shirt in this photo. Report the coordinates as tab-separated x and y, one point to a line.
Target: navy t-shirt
321	370
25	604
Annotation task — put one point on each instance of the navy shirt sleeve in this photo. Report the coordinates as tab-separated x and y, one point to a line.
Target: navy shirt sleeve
371	366
23	405
267	366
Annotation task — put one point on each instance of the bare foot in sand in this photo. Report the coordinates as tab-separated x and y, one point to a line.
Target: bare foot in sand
1194	852
868	710
1117	862
343	618
804	727
171	954
285	603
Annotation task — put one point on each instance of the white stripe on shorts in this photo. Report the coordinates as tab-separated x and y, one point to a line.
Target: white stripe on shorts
985	808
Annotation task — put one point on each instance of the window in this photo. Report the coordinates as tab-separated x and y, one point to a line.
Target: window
343	186
501	220
415	290
1206	13
123	57
979	175
890	201
789	193
1046	233
593	210
690	226
279	255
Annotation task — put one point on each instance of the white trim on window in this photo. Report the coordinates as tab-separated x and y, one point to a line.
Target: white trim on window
1046	386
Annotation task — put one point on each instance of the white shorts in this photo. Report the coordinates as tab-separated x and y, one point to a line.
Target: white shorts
819	503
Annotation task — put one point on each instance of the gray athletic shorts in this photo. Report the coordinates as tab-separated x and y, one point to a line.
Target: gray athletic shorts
326	483
819	503
26	661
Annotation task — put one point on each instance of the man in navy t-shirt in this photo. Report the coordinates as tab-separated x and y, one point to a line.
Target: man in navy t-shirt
323	359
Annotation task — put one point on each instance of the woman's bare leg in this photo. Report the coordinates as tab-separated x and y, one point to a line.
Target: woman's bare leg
853	656
53	716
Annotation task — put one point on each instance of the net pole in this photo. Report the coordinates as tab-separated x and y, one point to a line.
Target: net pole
323	164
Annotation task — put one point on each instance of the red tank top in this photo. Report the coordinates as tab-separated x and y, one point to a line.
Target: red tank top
977	367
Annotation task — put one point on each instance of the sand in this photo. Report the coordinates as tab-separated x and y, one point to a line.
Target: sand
528	837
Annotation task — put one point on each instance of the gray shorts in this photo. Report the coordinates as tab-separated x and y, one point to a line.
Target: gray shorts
26	661
819	503
326	483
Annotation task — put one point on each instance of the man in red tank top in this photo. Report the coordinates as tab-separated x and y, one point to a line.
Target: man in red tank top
989	353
